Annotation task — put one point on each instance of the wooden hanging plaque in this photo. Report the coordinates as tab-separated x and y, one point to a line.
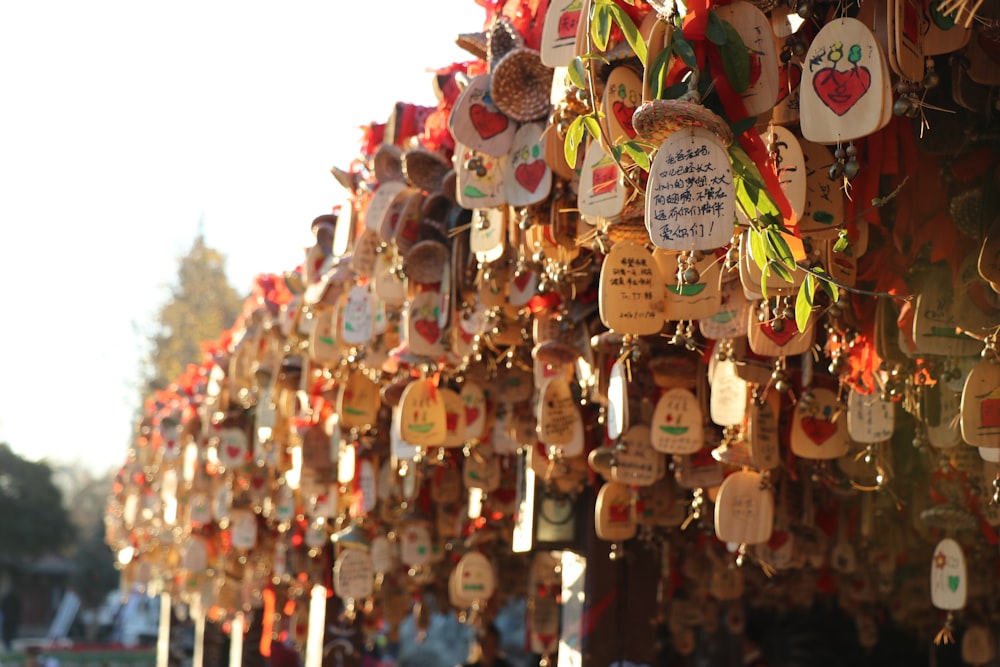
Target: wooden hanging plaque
817	433
422	414
631	290
744	509
528	179
677	423
477	123
949	579
981	405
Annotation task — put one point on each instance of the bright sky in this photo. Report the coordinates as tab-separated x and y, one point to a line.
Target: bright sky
122	124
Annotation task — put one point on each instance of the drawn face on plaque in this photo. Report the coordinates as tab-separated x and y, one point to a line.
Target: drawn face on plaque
476	121
358	402
423	422
677	423
622	95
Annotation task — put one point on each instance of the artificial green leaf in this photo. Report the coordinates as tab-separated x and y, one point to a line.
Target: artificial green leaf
757	250
764	275
804	303
593	127
735	59
600	26
631	33
714	30
574	137
637	154
684	50
577	73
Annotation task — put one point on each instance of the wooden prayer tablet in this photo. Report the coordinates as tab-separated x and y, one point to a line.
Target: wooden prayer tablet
869	418
477	123
981	405
558	415
479	178
762	432
423	422
843	84
528	179
790	166
677	423
755	29
744	509
690	200
602	188
559	32
730	320
728	403
358	402
636	462
631	290
380	203
614	513
818	430
690	301
622	95
949	580
354	575
823	216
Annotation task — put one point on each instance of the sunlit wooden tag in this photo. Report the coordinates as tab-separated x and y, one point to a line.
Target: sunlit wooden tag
559	420
690	200
751	275
824	209
869	418
906	31
325	348
233	447
479	178
981	405
528	179
602	188
476	121
474	580
454	410
631	290
423	328
790	167
358	402
744	509
354	575
636	462
977	306
755	29
946	432
617	414
677	423
363	258
242	529
614	513
486	236
726	582
404	201
388	283
380	204
357	317
415	544
949	579
762	432
817	432
728	401
690	301
422	421
779	337
943	34
843	85
474	405
699	470
481	471
622	95
934	330
559	32
786	109
729	321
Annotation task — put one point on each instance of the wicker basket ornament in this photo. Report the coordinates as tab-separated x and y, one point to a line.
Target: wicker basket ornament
521	85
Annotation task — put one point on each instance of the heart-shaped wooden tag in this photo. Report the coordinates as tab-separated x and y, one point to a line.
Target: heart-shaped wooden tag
817	430
528	179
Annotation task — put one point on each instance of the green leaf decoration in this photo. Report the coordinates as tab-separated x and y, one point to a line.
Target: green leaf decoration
757	248
715	31
841	244
600	26
631	33
472	192
778	269
592	126
780	249
735	59
658	69
804	302
675	91
577	73
827	284
743	124
637	154
685	51
574	137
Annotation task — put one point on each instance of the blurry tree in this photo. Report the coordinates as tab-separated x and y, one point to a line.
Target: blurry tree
201	305
33	520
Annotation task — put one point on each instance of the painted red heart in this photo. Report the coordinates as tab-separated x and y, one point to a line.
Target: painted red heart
466	336
817	429
522	279
233	451
529	174
780	338
841	90
789	78
487	123
623	113
471	415
428	330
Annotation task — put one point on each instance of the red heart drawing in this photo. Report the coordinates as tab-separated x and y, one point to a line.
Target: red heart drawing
522	279
841	90
623	113
428	330
487	123
788	80
471	415
233	451
529	174
466	336
819	430
780	338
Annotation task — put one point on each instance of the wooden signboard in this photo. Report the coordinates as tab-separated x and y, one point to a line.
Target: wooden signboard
755	29
677	423
479	178
981	405
823	216
949	579
934	330
762	432
631	290
528	179
477	123
558	44
690	200
843	85
744	509
817	433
